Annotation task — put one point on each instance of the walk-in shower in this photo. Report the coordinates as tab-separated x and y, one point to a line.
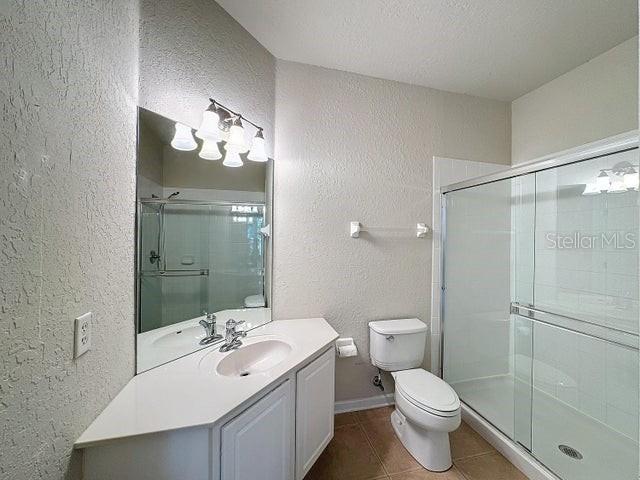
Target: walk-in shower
540	308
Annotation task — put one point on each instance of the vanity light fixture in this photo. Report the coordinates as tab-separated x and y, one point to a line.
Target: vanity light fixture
209	127
631	179
232	133
210	150
236	137
221	124
617	185
232	158
257	152
590	189
622	177
603	181
183	138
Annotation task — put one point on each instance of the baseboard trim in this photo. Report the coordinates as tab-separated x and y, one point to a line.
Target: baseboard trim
356	404
522	460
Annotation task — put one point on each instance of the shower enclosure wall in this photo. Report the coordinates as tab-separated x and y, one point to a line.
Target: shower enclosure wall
540	310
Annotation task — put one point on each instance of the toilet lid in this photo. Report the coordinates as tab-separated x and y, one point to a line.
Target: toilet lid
427	390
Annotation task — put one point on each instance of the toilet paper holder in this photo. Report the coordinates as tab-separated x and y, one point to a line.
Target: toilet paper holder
346	347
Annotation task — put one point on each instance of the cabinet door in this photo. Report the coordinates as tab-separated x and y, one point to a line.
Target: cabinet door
315	395
258	443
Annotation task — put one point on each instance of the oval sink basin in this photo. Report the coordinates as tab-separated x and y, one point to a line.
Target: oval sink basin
257	357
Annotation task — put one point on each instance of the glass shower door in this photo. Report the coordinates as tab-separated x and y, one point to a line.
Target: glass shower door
585	370
541	312
484	346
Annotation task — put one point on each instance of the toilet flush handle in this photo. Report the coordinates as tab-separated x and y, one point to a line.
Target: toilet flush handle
391	338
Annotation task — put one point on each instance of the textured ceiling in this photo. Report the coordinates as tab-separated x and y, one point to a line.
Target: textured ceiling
498	49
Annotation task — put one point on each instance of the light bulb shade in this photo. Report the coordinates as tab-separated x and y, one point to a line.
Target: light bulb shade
631	180
590	189
209	127
603	182
257	152
617	186
210	150
236	137
232	158
183	138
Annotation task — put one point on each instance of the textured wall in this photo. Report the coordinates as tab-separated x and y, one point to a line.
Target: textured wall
594	101
350	147
67	136
191	50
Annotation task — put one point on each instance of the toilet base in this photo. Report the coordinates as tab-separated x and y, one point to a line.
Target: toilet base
430	448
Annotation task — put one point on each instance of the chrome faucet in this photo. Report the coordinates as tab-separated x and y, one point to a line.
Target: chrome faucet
209	325
232	336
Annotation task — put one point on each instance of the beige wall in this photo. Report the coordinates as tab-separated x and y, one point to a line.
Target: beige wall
67	160
594	101
350	147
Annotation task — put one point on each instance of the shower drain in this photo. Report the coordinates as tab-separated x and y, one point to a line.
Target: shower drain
570	452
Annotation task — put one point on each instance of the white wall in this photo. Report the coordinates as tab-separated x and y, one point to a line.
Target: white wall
67	190
350	147
594	101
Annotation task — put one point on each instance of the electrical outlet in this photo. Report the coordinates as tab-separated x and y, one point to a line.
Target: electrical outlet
82	334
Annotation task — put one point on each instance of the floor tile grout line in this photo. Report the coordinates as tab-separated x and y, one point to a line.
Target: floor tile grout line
370	443
474	456
416	469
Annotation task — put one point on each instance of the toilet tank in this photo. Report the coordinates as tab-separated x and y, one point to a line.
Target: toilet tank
397	344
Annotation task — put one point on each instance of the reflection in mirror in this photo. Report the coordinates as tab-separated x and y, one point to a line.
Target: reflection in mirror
203	246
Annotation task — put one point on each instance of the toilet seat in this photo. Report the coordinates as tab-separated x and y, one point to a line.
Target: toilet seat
427	392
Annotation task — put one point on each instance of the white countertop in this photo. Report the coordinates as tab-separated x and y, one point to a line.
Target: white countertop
182	394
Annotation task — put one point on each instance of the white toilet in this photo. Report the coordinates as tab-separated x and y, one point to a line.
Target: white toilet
427	408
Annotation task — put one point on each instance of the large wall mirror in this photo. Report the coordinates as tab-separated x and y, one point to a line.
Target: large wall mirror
203	243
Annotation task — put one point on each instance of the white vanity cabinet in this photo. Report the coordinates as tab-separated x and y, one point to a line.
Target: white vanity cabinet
259	443
277	435
315	398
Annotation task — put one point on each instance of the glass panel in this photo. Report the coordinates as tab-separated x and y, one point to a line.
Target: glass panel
563	380
480	336
585	393
221	241
150	286
586	247
523	379
237	257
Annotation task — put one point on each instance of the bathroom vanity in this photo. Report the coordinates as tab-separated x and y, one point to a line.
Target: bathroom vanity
262	411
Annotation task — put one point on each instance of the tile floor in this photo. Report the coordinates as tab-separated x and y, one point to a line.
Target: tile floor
365	448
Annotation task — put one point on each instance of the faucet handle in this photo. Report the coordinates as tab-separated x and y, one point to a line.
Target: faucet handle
231	328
